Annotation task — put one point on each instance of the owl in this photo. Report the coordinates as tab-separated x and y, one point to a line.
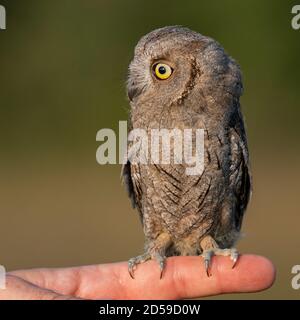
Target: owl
179	78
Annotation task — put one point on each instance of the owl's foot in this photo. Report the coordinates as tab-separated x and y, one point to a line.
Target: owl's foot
133	262
156	251
210	249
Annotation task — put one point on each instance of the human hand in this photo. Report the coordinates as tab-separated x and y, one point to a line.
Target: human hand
184	277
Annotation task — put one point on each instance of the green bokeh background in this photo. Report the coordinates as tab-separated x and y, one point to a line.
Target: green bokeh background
63	66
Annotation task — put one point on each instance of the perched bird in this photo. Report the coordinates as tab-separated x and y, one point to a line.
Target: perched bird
179	78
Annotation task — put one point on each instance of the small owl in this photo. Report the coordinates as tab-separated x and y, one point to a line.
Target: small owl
179	78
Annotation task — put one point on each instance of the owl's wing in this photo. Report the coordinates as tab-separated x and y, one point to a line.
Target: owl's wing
127	181
132	180
240	176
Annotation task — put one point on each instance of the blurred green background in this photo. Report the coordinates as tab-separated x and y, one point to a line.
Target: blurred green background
62	70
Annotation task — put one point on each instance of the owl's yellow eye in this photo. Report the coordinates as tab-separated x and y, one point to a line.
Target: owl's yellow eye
162	71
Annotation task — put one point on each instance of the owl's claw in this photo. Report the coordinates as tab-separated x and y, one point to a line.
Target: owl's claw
206	263
234	256
131	274
130	269
161	266
133	262
155	250
161	261
208	254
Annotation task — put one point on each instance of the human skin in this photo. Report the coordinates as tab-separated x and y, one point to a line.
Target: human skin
184	277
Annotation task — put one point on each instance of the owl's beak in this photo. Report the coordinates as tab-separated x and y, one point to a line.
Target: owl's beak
132	92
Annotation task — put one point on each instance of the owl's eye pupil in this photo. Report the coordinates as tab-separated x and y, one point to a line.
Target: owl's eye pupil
162	70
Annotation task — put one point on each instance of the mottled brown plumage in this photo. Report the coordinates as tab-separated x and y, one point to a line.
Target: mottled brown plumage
184	214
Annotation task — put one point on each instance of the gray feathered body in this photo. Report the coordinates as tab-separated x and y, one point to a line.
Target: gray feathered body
203	92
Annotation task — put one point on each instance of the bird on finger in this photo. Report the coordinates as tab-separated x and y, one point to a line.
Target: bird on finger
179	78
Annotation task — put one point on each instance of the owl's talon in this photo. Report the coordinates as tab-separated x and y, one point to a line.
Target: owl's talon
206	263
131	274
234	263
207	254
133	262
234	257
161	267
131	268
215	251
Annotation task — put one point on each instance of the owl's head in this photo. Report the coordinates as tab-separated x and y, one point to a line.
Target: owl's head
172	63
